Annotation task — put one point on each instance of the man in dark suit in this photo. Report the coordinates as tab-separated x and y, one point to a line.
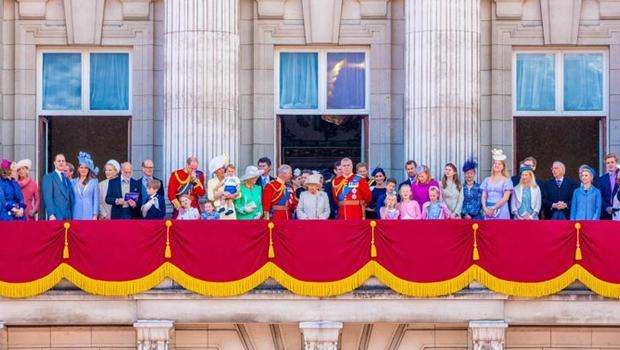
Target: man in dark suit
148	168
412	175
558	194
607	185
58	196
264	166
118	189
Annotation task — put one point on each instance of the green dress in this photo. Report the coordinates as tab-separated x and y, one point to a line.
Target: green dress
244	202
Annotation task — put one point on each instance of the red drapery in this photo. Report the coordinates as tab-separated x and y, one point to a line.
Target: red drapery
317	258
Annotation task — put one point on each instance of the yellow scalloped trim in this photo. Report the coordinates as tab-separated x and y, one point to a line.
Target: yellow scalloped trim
314	289
218	289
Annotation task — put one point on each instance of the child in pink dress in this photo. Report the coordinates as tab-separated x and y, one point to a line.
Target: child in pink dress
408	208
434	209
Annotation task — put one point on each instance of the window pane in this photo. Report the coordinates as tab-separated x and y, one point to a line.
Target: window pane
346	80
62	81
109	81
535	82
583	82
299	80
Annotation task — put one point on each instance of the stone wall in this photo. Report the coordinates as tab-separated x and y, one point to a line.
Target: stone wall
256	336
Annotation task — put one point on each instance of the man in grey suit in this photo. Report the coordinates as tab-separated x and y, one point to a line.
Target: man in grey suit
57	193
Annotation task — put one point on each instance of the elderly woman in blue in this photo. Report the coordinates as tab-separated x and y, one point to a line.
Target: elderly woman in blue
86	189
11	200
587	202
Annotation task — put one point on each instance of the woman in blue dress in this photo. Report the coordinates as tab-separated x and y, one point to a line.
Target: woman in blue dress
12	204
472	194
496	189
587	202
86	189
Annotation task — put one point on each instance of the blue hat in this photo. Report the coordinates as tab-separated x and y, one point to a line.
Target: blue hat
523	168
85	158
588	169
470	164
378	170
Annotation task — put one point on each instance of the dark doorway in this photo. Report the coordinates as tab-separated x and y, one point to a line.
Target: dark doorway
317	141
571	140
104	138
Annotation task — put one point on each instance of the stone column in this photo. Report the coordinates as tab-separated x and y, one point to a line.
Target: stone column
488	335
442	91
153	334
201	81
321	335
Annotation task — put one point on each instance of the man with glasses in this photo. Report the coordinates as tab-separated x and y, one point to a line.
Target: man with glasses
607	185
558	193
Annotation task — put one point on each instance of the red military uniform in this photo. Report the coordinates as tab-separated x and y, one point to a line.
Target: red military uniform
279	200
181	183
351	194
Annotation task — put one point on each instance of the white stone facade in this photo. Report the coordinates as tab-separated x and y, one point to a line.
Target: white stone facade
203	74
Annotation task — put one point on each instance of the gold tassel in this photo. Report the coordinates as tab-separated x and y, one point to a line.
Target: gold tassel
476	254
373	247
272	253
168	252
65	250
578	255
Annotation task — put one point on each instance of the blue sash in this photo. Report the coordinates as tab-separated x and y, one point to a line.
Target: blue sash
285	197
345	191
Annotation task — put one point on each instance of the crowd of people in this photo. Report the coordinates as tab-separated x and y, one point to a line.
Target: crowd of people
349	192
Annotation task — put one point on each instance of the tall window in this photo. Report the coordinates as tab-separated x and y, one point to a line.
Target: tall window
84	82
560	83
330	81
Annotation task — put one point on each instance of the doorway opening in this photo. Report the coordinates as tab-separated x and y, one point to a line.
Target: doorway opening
316	141
104	138
572	140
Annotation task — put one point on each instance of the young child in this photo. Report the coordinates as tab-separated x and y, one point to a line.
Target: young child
187	212
209	213
389	211
231	185
434	209
154	208
408	209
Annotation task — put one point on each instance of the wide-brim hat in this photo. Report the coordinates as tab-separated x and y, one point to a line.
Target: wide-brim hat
24	163
313	179
217	163
250	173
85	159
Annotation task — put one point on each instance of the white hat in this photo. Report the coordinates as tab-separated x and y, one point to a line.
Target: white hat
115	164
217	163
498	154
24	163
250	172
313	179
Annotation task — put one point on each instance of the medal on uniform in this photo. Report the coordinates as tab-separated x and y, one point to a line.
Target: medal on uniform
354	191
354	197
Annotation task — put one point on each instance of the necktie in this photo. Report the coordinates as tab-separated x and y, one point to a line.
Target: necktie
559	182
612	181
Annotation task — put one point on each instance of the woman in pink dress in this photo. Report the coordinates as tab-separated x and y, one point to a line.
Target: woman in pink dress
420	189
29	188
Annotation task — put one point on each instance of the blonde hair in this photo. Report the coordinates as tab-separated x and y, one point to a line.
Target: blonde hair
388	197
533	183
504	169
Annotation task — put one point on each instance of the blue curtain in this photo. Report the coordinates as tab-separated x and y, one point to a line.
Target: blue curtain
299	78
62	81
535	82
346	80
109	81
583	82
